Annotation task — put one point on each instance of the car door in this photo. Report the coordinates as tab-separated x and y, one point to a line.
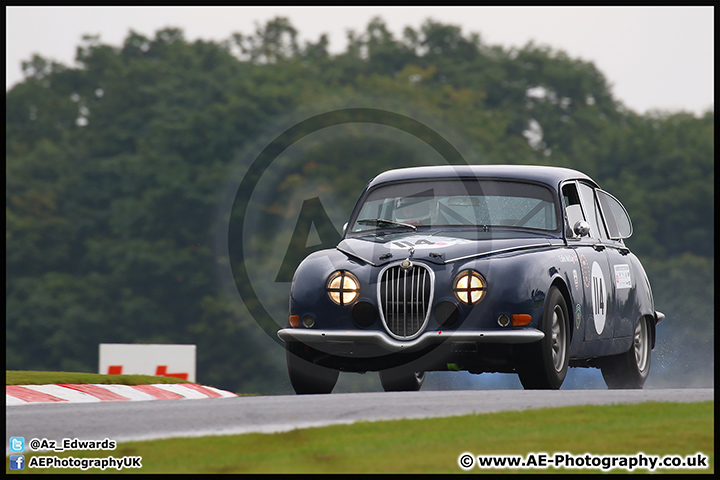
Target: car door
618	227
598	310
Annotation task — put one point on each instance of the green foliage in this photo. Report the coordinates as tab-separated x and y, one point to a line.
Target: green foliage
116	170
21	377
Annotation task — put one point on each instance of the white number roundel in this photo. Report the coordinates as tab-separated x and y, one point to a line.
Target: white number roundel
599	297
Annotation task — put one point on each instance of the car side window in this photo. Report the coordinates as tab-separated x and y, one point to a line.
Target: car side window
602	225
617	218
573	207
597	227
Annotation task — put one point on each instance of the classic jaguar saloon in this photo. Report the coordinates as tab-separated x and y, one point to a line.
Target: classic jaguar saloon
513	269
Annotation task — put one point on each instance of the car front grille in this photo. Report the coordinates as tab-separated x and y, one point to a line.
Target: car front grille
405	296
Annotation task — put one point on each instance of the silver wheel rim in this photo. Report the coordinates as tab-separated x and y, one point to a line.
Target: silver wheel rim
640	344
557	338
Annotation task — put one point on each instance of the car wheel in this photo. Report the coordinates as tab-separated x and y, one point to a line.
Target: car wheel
630	369
305	376
399	380
544	364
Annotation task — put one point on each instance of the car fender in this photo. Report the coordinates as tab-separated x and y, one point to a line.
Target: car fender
644	301
518	282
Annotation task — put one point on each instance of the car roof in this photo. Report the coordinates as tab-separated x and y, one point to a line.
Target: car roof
544	174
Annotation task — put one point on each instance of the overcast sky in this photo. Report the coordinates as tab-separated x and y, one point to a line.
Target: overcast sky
654	57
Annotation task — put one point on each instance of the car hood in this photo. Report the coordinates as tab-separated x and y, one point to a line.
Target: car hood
434	248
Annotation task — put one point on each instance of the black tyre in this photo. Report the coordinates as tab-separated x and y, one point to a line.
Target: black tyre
544	364
400	380
305	376
630	369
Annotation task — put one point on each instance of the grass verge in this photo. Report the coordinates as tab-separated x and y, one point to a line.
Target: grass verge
434	445
24	377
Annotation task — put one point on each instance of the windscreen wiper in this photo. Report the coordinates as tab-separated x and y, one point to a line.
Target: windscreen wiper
379	222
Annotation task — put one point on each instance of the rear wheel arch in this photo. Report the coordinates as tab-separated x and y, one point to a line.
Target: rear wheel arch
631	369
651	325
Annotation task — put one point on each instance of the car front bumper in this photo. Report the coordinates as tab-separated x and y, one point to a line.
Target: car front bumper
368	344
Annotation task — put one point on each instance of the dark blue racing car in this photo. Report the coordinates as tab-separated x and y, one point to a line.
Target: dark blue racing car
514	269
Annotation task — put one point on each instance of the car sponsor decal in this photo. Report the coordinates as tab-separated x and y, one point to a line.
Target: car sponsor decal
575	278
599	297
420	242
622	277
578	316
585	270
563	258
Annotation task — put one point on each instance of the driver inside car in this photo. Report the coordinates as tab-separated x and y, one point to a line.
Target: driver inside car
416	211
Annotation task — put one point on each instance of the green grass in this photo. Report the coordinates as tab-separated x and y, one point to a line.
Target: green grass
17	377
434	445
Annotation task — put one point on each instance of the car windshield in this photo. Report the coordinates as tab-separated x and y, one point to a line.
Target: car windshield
457	203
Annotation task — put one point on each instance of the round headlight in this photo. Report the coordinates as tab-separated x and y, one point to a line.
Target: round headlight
470	287
343	287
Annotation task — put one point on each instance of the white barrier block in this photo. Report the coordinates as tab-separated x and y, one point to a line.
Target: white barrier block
151	359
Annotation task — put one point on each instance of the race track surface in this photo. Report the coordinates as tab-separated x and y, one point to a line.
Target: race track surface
125	421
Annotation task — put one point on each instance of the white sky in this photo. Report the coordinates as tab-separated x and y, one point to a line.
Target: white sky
654	57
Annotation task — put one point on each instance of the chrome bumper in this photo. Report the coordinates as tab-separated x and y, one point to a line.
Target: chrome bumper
361	343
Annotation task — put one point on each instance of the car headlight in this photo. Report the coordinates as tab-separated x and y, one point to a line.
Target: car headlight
470	287
343	287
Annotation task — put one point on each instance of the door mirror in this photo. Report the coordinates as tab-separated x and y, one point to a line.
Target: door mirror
581	228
